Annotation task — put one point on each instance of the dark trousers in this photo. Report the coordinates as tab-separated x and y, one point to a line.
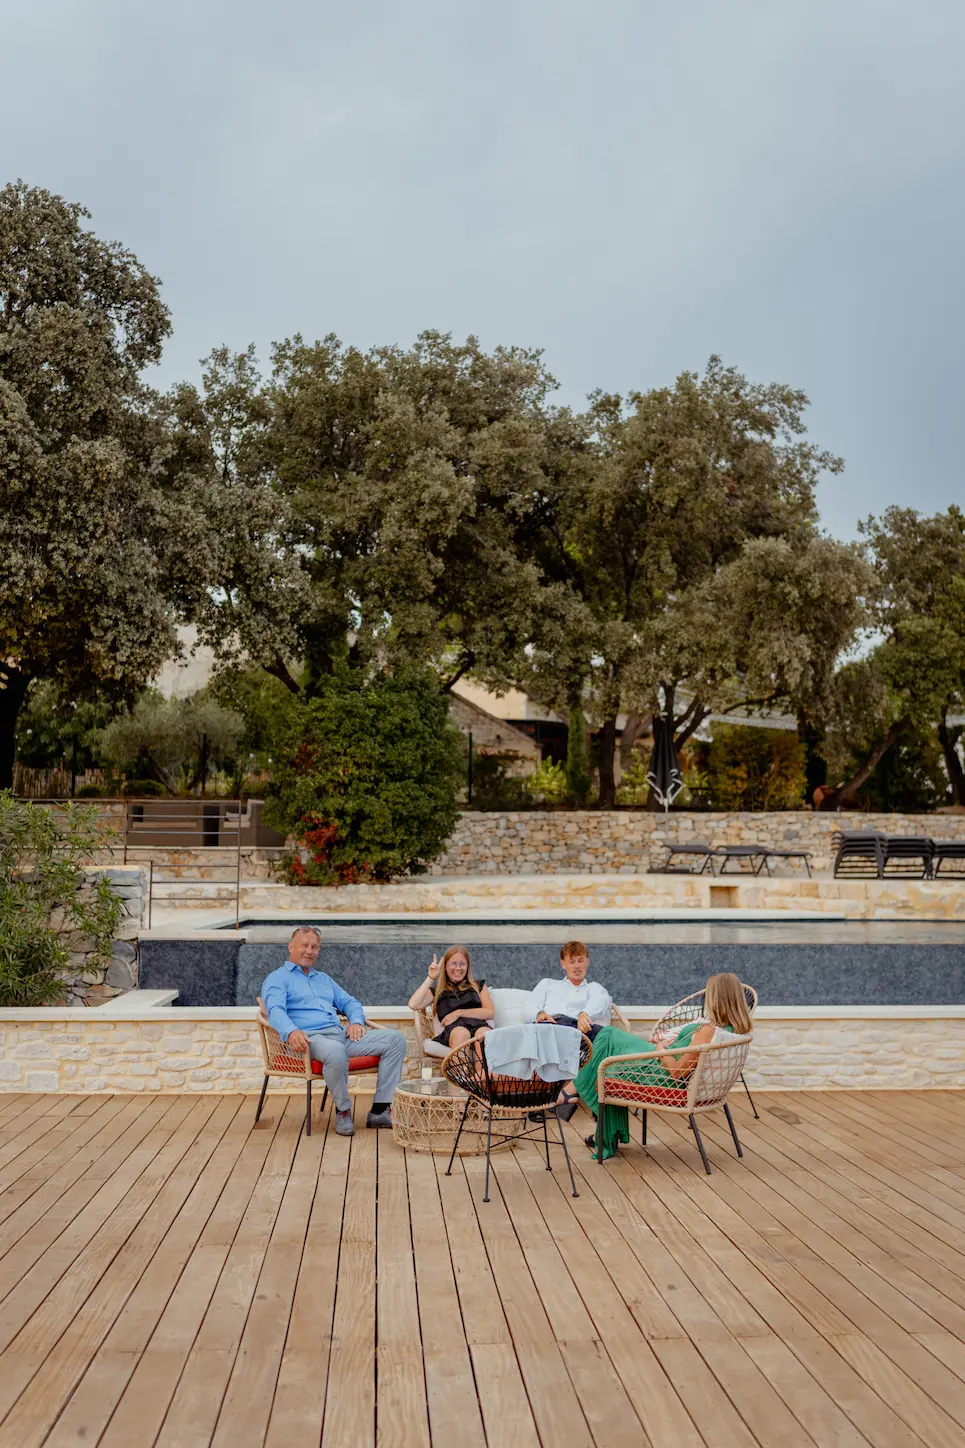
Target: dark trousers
593	1032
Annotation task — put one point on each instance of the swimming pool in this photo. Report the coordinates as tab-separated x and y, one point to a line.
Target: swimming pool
649	961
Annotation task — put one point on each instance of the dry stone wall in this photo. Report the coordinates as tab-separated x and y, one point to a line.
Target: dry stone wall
90	983
631	842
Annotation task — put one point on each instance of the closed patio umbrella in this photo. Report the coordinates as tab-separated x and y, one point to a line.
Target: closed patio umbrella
664	776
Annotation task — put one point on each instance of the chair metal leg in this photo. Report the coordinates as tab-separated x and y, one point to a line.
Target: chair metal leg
308	1107
489	1148
465	1113
749	1097
643	1127
566	1153
261	1100
733	1128
703	1154
324	1100
546	1143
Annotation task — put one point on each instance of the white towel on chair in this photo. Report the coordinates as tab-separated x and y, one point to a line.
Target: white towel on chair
549	1051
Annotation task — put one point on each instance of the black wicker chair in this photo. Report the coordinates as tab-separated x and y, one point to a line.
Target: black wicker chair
532	1098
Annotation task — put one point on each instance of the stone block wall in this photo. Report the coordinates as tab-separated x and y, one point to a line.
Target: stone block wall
857	899
631	842
189	1051
88	983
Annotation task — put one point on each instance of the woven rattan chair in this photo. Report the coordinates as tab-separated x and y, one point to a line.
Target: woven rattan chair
691	1008
433	1051
624	1081
531	1099
280	1061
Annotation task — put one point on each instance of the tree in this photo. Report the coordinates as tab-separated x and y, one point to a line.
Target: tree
52	730
375	507
47	906
99	548
692	507
368	777
915	677
162	738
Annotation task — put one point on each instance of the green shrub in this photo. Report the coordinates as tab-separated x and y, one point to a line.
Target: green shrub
548	784
367	778
46	903
90	791
634	787
495	784
751	768
148	788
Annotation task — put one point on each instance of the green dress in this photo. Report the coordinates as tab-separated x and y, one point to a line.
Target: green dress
613	1042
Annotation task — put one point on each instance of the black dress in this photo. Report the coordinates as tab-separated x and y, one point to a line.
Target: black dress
459	1000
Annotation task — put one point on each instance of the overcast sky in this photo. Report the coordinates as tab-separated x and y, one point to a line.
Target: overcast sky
629	185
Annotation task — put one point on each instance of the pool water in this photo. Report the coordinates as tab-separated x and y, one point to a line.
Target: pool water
641	962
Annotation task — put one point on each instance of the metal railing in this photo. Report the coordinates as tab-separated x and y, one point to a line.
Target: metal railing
156	829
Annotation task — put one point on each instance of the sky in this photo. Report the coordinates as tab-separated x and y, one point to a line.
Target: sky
629	186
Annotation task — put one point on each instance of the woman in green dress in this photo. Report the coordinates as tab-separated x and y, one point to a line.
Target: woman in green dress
725	1012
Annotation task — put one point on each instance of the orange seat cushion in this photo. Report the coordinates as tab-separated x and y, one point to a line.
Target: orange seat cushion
356	1063
637	1093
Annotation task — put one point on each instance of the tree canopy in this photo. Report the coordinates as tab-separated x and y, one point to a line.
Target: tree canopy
99	546
696	580
431	507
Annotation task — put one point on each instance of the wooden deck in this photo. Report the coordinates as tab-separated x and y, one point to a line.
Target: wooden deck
171	1275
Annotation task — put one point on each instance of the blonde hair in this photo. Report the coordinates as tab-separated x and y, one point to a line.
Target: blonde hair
444	983
726	1004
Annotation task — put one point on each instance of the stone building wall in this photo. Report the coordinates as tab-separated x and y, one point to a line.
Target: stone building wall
630	842
90	984
894	1048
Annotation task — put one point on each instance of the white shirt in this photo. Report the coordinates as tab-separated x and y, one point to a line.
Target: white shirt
562	998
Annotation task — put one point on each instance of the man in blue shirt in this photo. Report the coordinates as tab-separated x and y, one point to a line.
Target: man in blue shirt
303	1005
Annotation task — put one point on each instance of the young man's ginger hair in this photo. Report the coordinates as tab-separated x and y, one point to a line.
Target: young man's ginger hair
571	948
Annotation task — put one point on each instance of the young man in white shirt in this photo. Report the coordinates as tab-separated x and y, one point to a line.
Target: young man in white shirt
572	1001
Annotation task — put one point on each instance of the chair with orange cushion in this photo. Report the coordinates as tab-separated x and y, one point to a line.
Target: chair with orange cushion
627	1081
691	1008
280	1061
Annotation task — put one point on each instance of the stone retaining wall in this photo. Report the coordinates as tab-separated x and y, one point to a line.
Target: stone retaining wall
631	842
90	984
894	1048
857	899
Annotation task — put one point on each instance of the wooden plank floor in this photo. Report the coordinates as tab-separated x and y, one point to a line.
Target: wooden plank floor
172	1275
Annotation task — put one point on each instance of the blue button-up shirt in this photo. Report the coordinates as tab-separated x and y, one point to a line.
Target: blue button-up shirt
299	1002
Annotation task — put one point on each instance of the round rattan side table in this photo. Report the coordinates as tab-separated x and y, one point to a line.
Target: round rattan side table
426	1116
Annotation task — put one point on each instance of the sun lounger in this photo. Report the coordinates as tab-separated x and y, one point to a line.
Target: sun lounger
697	851
907	857
945	851
789	855
755	854
860	855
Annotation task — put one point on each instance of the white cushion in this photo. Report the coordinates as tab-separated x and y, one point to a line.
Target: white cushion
509	1006
435	1048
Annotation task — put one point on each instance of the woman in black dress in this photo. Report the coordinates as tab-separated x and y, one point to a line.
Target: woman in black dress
461	1005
